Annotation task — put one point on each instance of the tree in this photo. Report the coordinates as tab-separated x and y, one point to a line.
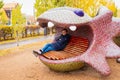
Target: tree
18	22
59	3
4	18
1	4
43	5
17	16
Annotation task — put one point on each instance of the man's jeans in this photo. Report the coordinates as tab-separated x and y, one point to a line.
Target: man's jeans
47	47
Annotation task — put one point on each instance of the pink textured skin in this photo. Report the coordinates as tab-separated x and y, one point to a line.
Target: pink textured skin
102	46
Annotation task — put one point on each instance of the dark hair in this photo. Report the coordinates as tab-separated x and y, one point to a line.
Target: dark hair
65	30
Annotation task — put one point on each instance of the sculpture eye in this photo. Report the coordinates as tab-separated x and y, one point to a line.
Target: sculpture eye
79	13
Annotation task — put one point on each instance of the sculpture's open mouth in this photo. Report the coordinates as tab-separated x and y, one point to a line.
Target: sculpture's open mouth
76	22
82	37
81	40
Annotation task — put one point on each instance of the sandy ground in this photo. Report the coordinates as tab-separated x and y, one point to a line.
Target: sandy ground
23	65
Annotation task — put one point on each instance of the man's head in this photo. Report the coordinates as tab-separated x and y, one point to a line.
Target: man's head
64	31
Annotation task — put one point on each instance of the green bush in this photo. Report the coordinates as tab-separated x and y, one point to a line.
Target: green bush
6	29
18	31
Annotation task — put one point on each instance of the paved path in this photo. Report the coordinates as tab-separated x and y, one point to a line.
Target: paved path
24	42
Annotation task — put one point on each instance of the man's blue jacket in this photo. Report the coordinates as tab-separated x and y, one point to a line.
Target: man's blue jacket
61	42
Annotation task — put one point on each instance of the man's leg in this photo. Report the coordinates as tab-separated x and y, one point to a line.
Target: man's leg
50	48
41	51
45	47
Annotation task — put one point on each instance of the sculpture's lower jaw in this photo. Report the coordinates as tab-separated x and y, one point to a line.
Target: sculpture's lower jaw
63	67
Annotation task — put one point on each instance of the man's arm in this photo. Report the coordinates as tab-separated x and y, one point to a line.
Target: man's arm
56	38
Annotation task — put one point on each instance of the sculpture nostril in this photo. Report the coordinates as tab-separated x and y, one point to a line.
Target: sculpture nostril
79	13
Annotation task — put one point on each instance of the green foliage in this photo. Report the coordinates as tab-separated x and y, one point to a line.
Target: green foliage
59	3
4	18
18	21
1	4
17	31
17	16
43	5
6	29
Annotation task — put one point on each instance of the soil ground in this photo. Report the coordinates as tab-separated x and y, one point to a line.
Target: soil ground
21	64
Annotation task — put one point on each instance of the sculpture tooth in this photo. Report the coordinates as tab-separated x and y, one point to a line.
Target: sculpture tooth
72	28
50	24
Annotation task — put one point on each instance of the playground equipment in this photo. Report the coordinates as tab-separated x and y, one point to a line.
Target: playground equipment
91	41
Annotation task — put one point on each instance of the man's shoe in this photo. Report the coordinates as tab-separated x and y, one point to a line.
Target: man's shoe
41	51
37	53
